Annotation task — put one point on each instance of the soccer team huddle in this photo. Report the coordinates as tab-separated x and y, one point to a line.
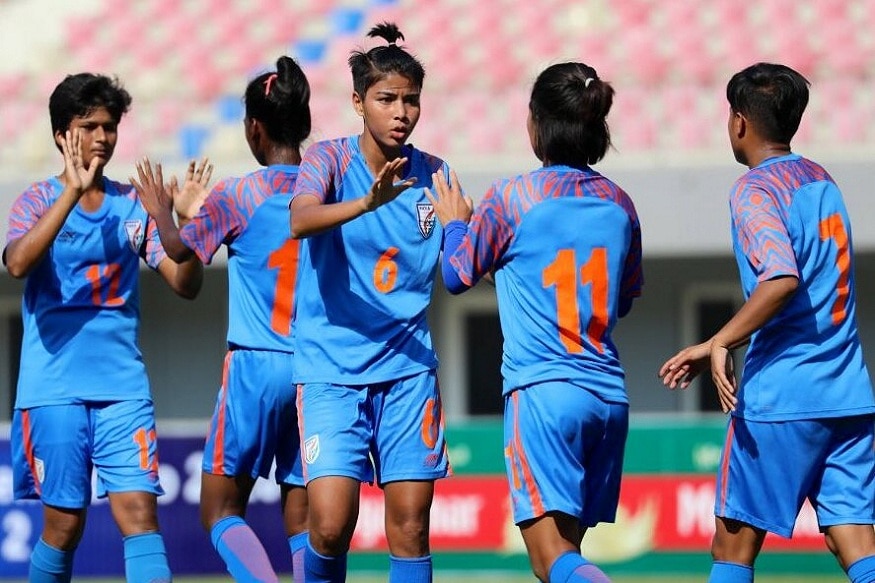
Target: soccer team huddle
330	373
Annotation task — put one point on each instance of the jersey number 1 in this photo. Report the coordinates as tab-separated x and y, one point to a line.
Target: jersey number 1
833	228
285	260
562	273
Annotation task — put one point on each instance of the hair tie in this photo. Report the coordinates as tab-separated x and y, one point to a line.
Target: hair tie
587	81
267	82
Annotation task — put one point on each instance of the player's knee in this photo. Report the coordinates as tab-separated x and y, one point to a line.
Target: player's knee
540	569
408	536
331	539
63	531
135	512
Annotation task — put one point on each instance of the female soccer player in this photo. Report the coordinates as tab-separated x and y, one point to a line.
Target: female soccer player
564	244
363	352
801	424
83	397
255	419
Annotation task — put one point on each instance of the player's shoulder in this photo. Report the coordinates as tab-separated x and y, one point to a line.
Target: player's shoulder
121	189
45	188
430	162
332	148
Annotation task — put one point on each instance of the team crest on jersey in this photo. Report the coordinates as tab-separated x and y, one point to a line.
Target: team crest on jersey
425	218
134	234
311	449
40	467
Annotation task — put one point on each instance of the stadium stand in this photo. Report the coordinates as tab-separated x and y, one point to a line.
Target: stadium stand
183	61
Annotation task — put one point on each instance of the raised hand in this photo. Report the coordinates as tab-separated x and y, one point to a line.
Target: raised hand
77	176
151	190
188	199
449	203
385	189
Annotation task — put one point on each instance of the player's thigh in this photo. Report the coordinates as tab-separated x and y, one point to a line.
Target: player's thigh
845	490
52	449
409	441
255	418
125	447
564	452
336	430
767	470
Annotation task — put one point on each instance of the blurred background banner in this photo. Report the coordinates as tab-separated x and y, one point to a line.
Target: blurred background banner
666	508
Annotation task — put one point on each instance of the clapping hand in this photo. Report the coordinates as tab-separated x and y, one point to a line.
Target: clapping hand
188	199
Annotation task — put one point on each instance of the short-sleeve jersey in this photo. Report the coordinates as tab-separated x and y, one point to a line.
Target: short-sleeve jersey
789	219
251	216
80	308
565	247
365	286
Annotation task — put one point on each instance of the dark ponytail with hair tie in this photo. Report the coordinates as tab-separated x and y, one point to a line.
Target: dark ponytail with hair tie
281	101
569	106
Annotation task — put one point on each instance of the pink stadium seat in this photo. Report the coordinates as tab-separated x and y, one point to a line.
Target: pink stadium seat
669	62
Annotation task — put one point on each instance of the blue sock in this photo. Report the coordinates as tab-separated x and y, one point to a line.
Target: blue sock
723	572
242	552
50	565
298	544
863	570
410	570
146	559
322	569
570	567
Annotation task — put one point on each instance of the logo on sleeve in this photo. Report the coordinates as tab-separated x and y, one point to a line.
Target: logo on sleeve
66	236
311	449
134	234
425	218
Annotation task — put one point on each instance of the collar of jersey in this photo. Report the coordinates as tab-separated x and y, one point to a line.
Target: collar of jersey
776	159
109	190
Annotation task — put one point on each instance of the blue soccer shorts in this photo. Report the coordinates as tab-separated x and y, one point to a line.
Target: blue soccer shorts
55	447
768	469
563	450
255	420
388	432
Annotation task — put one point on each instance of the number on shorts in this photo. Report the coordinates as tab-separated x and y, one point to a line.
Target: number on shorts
562	274
431	420
832	227
144	439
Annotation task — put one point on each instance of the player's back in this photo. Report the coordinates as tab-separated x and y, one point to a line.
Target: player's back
574	251
251	216
790	219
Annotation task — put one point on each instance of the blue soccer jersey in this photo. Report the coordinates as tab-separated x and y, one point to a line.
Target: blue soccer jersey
250	215
788	219
364	287
565	247
80	308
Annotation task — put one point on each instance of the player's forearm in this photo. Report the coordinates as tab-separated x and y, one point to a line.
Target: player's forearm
767	299
188	278
313	218
168	232
24	253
